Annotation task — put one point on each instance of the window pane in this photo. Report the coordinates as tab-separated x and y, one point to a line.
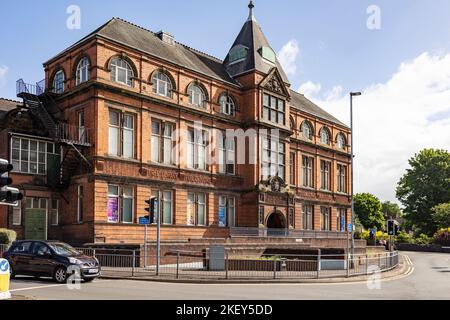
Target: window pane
113	141
128	143
127	210
201	214
113	209
113	190
167	210
155	149
167	150
113	118
190	209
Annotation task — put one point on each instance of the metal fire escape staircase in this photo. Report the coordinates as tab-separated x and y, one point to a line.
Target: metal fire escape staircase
73	141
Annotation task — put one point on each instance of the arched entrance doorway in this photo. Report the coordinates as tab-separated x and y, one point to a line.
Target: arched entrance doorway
276	221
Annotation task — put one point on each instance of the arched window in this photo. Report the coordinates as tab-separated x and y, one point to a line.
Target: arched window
197	96
325	136
121	72
58	82
82	74
227	105
307	130
162	84
341	142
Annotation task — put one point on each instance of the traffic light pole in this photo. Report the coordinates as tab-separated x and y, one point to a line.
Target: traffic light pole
145	245
158	234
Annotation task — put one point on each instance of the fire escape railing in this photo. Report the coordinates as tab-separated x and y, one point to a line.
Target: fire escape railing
64	132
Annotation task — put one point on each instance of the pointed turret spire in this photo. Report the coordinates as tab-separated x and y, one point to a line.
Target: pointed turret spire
251	51
251	16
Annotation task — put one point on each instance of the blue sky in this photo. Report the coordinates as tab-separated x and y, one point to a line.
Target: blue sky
335	45
403	68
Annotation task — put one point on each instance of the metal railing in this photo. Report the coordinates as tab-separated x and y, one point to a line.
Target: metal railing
35	89
198	265
74	134
286	233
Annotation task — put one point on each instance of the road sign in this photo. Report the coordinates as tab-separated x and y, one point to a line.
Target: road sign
4	280
349	227
144	221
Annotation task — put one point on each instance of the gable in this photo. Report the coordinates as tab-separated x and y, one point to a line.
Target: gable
274	82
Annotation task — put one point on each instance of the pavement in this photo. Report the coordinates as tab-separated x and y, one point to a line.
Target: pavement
421	276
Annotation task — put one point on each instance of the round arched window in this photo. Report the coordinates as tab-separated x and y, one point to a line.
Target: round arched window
58	82
162	84
325	136
121	72
82	74
197	96
307	130
341	142
227	105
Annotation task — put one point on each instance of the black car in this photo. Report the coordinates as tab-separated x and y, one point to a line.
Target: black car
50	259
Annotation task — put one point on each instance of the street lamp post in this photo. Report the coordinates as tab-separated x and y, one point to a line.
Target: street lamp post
352	94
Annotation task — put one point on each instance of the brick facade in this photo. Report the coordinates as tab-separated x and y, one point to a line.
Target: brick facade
98	96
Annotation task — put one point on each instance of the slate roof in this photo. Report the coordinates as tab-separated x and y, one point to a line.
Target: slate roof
131	35
300	102
6	106
252	37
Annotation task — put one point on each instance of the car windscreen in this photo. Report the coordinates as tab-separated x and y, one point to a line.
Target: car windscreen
64	249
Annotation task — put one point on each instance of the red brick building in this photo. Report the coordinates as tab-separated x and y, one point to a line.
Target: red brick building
116	121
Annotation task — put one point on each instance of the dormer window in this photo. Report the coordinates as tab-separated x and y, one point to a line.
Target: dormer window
227	105
237	54
58	82
162	85
121	72
268	54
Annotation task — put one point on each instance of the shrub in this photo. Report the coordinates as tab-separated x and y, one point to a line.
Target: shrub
403	237
422	239
442	237
7	236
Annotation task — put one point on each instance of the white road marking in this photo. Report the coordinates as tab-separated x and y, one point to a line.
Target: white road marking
50	286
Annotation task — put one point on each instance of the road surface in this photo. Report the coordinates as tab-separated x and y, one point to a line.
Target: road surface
429	278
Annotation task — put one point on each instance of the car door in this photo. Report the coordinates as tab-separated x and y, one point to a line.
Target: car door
20	257
42	261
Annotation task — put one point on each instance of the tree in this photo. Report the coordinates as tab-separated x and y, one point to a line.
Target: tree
391	209
425	185
368	209
441	215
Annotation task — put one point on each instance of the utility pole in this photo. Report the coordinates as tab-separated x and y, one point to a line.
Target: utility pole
352	94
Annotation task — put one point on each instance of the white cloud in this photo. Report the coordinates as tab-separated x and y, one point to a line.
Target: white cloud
3	73
310	89
395	120
288	57
334	94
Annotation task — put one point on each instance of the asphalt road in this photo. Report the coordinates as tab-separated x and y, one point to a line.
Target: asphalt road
429	278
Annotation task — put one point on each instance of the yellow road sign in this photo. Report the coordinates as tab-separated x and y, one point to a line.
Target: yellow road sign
4	279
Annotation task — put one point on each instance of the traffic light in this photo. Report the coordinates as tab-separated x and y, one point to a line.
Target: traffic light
8	196
391	228
151	209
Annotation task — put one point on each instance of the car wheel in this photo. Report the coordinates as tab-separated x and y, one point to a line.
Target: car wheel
60	275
